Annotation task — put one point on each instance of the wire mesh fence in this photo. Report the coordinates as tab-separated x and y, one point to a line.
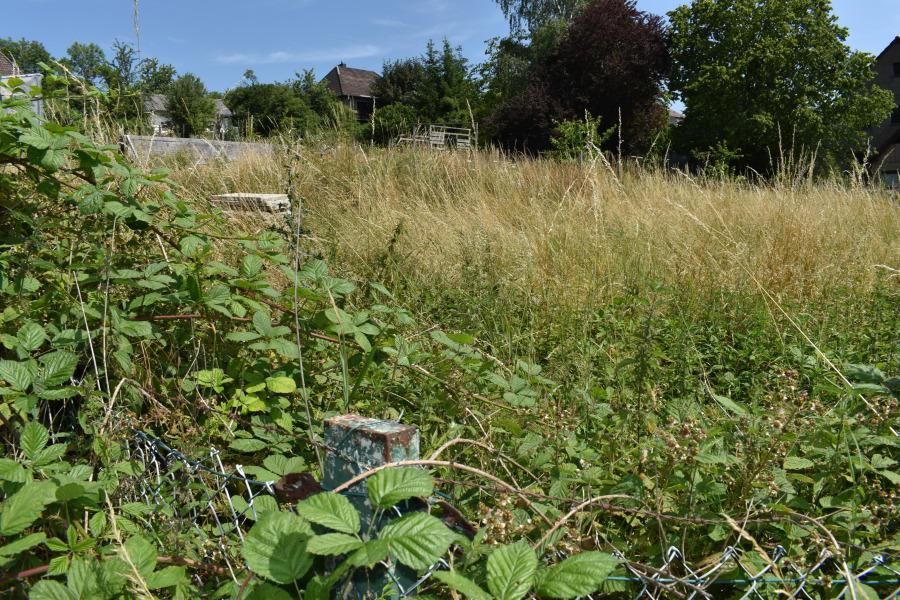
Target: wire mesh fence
219	504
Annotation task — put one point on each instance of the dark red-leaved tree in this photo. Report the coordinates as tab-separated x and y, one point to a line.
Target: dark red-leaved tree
613	57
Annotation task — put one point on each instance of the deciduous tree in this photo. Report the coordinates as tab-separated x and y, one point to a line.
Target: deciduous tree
611	61
527	16
762	75
87	61
28	54
190	107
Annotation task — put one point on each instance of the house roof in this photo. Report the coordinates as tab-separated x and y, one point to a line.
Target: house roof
8	66
159	103
347	81
889	46
156	103
221	109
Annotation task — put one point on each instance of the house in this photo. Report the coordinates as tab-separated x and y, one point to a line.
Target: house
157	107
886	137
354	88
9	70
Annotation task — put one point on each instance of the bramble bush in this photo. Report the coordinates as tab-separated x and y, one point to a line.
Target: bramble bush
126	306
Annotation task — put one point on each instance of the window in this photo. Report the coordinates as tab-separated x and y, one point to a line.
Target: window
896	69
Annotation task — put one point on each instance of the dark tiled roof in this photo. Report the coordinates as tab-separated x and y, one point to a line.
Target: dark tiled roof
7	66
347	81
889	46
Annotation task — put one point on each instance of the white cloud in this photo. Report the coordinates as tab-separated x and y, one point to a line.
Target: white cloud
380	22
320	55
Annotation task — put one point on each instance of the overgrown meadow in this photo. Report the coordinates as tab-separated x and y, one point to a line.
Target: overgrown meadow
624	358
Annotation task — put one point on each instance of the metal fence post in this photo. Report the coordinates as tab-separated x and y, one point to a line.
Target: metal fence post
354	444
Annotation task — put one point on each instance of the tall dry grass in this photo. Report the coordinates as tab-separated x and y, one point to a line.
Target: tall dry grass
574	234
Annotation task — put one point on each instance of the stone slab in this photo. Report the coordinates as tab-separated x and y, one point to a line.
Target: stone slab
275	203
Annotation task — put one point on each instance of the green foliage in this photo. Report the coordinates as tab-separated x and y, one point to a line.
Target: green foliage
190	108
438	87
275	548
393	121
87	61
125	305
511	571
579	139
387	488
28	54
770	80
528	16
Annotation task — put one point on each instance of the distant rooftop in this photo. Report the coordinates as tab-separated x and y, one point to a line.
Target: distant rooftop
347	81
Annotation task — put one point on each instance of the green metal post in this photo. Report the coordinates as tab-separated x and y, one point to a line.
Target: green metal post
353	445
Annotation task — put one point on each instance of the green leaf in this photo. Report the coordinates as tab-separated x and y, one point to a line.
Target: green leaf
37	137
140	553
890	476
59	367
333	544
795	463
318	588
242	336
16	374
12	471
464	586
191	245
251	265
267	591
390	486
98	524
81	578
731	405
262	323
511	571
281	465
47	589
247	445
31	337
578	575
862	591
167	577
281	385
275	548
417	540
372	553
33	439
330	510
24	507
69	491
22	544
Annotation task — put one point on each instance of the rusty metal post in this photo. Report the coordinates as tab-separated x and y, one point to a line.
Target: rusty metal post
353	445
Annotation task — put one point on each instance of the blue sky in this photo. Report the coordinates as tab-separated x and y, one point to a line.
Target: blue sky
219	39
